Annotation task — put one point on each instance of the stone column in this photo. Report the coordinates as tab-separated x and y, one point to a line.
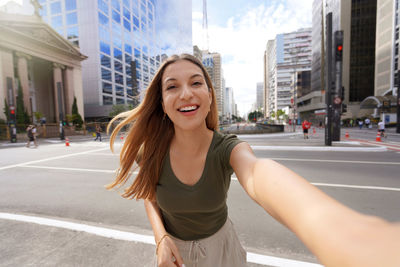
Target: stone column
23	79
58	92
68	89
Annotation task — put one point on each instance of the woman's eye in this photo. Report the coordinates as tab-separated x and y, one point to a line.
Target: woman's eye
171	87
197	83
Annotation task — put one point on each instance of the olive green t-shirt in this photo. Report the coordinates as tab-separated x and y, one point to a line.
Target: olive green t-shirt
198	211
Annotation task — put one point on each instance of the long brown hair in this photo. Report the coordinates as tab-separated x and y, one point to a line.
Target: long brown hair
150	134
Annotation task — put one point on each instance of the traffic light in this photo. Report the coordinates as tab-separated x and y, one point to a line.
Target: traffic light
338	45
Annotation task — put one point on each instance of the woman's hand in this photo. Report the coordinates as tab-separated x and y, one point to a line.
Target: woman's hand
168	254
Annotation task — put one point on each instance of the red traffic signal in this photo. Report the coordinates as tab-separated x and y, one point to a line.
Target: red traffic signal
339	48
12	111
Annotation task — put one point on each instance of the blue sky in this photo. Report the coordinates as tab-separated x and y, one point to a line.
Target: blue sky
239	31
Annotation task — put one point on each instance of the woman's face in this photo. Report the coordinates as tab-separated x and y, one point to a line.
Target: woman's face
185	94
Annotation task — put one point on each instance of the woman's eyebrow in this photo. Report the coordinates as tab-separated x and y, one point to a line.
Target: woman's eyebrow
191	77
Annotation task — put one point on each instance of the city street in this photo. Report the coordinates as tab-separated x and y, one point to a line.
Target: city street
70	219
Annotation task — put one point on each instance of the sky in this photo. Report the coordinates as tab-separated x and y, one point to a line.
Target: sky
239	31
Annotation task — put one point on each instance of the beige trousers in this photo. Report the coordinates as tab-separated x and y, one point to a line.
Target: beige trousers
222	249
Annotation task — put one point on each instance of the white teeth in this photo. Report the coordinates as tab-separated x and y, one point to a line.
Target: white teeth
188	108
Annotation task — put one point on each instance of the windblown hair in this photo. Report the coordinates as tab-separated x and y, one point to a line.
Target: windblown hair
150	134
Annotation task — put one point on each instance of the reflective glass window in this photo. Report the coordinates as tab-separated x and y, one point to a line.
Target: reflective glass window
117	42
118	78
105	61
120	101
104	34
72	32
128	48
127	3
135	9
150	26
145	77
128	59
116	17
118	66
138	64
117	54
145	68
116	28
106	74
107	88
138	74
129	92
127	14
136	21
127	37
143	8
128	70
55	8
105	48
72	18
102	6
145	58
119	90
107	100
137	53
56	21
143	27
70	5
152	72
103	19
127	25
115	4
144	49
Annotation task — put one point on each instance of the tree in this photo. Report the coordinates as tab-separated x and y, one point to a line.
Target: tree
76	117
253	116
21	113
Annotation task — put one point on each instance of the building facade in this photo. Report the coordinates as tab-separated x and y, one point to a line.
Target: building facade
260	96
125	41
40	62
212	63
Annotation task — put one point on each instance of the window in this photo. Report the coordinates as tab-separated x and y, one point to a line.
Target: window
107	88
135	9
70	5
103	19
138	74
55	8
106	74
56	21
118	78
107	100
136	21
119	90
104	34
116	17
115	4
116	28
72	18
138	64
127	70
128	48
117	54
118	66
137	53
128	59
72	32
129	92
117	42
126	3
105	61
120	101
43	11
127	14
143	8
105	48
127	25
103	6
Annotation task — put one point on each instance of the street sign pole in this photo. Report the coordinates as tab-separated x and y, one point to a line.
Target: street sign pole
328	84
398	103
336	90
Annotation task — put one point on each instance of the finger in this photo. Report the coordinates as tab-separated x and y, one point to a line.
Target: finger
177	256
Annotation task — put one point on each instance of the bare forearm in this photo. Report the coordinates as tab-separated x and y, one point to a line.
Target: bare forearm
155	218
337	235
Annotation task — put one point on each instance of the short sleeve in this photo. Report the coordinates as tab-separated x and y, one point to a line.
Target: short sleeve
228	143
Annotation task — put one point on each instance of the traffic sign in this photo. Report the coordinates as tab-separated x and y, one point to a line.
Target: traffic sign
337	100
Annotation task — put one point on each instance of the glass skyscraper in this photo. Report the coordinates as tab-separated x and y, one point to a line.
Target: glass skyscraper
125	41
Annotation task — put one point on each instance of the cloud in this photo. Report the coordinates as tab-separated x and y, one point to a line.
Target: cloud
242	42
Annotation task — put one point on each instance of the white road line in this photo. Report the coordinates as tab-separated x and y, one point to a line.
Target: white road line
234	178
139	238
51	158
321	148
338	161
67	169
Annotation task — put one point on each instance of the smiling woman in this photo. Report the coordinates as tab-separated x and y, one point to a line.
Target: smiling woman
184	176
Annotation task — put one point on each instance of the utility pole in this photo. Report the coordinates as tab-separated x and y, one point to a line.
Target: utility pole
337	89
398	103
328	85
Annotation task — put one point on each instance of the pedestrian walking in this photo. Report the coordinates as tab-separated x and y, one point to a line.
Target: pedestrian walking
360	124
31	133
185	166
98	133
306	125
381	128
367	123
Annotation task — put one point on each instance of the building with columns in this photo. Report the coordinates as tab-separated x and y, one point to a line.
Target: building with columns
43	63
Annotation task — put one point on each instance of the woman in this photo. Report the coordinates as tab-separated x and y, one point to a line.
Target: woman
185	167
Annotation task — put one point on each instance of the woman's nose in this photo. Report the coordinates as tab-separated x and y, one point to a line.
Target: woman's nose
186	92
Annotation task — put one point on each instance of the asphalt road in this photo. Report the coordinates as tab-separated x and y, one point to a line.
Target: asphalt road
66	184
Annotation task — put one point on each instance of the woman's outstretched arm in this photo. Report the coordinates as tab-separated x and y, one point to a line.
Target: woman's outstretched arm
336	234
167	249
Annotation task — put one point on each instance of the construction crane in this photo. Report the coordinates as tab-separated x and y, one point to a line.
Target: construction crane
205	26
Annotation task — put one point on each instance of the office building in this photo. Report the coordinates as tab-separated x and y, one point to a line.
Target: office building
260	97
125	41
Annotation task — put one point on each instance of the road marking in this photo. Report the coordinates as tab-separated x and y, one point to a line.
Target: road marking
68	169
320	148
139	238
339	161
234	178
51	158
